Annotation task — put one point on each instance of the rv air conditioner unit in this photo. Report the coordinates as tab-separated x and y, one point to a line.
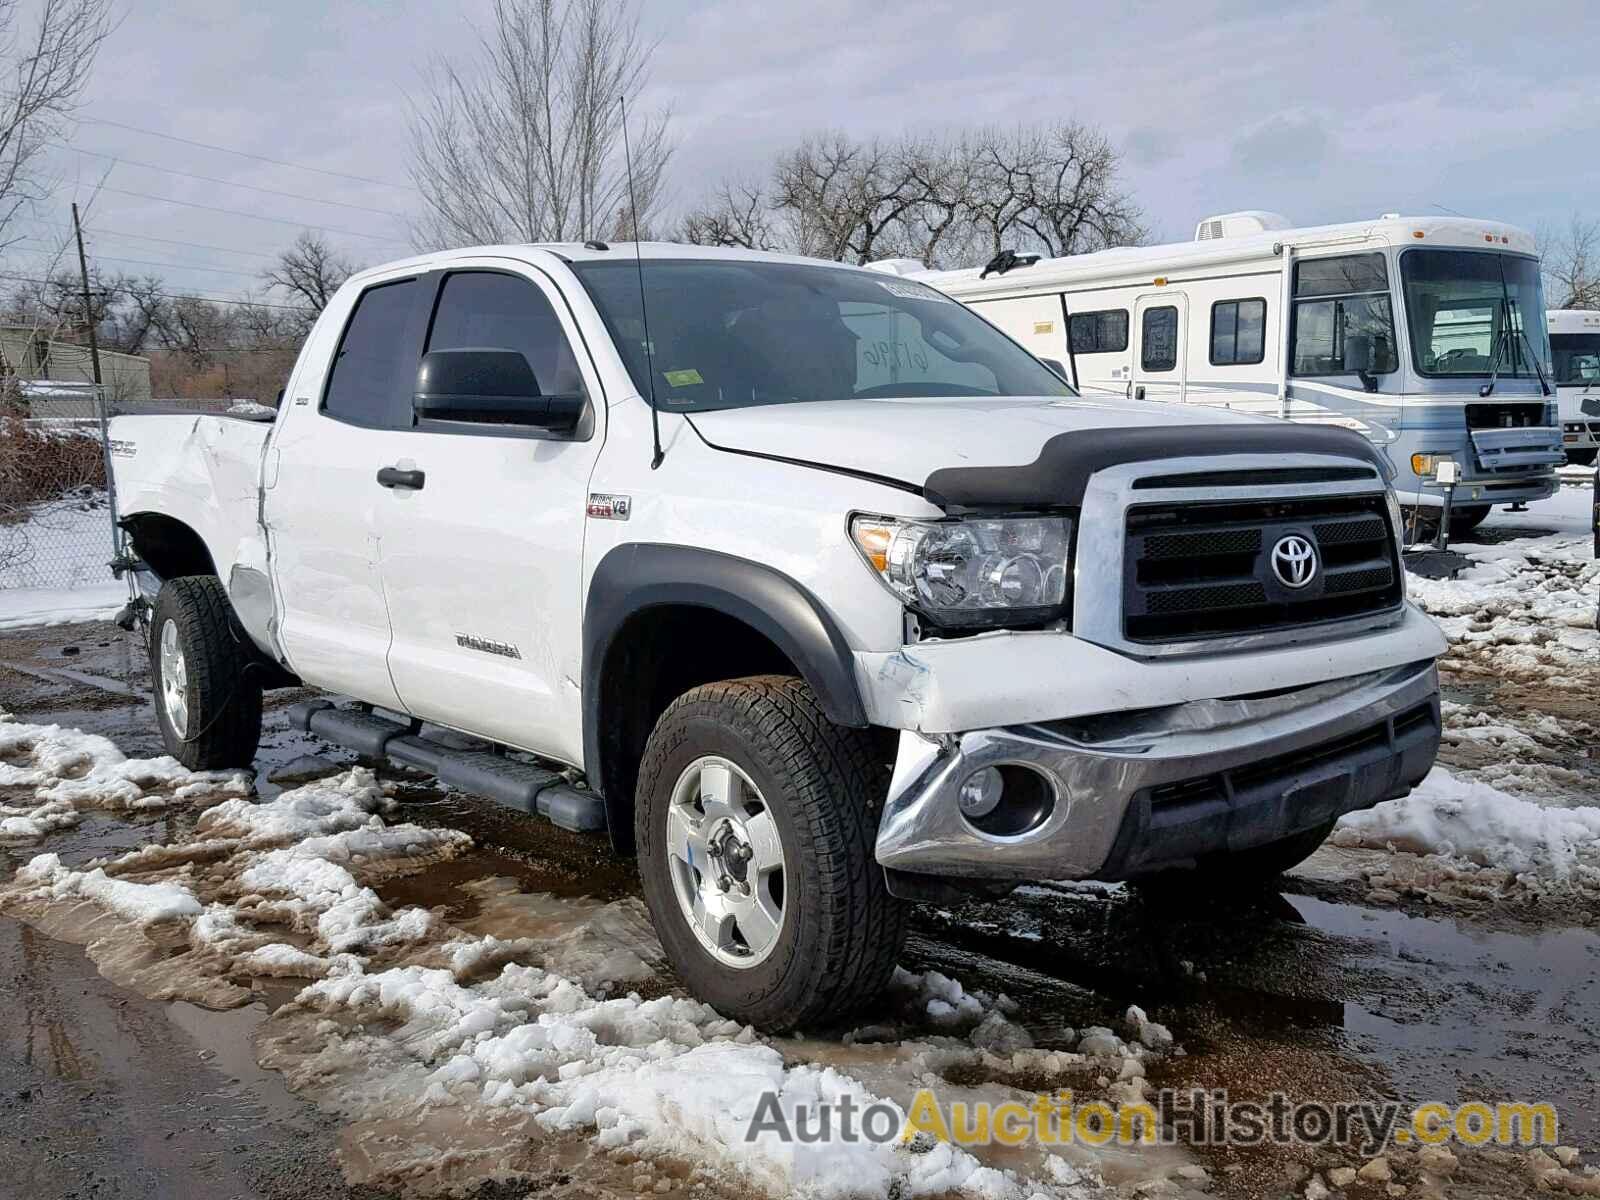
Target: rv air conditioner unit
1239	224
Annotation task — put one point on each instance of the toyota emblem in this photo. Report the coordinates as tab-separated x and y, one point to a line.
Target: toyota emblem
1294	561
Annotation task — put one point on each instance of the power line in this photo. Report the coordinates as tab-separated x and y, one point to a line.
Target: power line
299	308
145	237
249	187
145	262
245	153
234	212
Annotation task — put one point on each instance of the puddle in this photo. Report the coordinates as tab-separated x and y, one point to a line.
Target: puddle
1498	1015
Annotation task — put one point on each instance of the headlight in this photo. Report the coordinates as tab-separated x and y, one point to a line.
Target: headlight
971	572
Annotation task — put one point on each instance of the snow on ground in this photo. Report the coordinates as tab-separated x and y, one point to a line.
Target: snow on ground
24	607
409	1019
1475	839
49	775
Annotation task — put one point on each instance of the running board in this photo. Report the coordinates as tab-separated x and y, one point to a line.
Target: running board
508	781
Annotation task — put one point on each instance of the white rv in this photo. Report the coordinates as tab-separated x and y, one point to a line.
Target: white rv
1426	334
1575	342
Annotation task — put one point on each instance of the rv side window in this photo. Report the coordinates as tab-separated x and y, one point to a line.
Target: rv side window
1101	332
1158	339
1238	332
1349	326
1342	276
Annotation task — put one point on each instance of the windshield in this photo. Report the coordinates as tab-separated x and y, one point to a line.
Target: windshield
733	334
1474	313
1577	357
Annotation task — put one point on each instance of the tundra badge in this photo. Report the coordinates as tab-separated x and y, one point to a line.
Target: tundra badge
603	507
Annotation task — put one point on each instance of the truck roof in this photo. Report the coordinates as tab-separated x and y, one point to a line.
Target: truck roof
541	252
1135	261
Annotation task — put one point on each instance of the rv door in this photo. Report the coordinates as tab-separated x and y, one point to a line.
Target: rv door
1160	322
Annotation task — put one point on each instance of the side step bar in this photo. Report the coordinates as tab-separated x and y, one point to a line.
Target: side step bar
506	781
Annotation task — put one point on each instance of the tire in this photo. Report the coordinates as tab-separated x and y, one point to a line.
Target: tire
1465	520
1240	872
831	932
1582	458
207	703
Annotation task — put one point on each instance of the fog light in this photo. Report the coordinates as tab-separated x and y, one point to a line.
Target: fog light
980	793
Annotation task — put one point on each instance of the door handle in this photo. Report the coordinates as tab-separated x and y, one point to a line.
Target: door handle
1138	394
395	477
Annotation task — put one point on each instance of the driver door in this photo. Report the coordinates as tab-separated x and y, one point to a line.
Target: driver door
482	563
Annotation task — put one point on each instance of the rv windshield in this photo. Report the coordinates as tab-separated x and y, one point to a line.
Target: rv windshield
1577	357
739	333
1473	312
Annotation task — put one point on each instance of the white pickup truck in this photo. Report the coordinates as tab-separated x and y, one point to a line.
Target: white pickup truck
815	590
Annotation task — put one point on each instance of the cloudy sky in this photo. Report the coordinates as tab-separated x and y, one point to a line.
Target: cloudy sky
1324	111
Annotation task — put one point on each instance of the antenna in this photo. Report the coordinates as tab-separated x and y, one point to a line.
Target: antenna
644	310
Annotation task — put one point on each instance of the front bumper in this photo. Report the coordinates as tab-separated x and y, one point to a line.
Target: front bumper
1161	787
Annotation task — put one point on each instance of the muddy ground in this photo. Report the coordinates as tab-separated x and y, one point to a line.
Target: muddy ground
1320	990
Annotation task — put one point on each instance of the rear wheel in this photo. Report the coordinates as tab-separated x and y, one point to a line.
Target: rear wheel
207	705
755	824
1240	871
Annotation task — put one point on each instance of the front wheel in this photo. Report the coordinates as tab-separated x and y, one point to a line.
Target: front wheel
755	823
207	704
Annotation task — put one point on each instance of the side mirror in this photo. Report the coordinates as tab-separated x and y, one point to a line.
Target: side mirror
488	387
1360	353
1056	366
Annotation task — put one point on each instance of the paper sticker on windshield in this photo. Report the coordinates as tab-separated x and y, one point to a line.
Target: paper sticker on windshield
683	378
912	291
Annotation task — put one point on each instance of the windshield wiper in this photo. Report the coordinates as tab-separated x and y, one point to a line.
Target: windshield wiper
1494	354
1544	388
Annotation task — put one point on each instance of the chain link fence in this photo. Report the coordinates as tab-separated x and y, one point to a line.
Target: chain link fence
56	532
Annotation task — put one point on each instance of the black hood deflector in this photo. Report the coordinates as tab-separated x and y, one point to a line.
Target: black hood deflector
1061	472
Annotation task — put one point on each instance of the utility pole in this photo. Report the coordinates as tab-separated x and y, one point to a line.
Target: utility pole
118	559
88	308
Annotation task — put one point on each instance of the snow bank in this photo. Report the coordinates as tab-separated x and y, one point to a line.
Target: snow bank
69	771
140	903
99	600
1460	818
666	1076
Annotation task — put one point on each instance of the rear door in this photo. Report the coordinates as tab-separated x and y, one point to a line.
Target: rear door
1160	323
482	565
348	405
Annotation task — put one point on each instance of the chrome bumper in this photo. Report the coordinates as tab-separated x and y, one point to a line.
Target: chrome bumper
1254	769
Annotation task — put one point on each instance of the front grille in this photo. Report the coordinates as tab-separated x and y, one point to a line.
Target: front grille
1505	415
1204	569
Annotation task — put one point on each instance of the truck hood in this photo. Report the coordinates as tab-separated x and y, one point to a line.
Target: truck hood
906	440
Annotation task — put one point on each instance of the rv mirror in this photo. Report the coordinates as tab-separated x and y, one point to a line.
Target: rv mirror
1361	356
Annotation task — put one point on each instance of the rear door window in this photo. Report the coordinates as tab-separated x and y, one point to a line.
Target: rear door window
374	371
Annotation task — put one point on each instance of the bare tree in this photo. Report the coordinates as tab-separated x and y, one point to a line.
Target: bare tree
43	69
1052	189
310	270
524	143
941	200
1571	264
739	213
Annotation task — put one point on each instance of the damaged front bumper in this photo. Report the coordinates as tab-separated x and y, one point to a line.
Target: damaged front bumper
1153	788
